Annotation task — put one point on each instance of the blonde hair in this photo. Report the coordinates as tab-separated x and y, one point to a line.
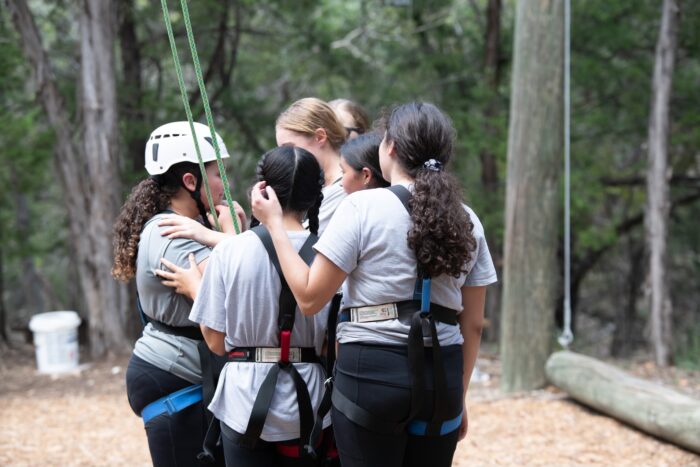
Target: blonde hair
308	115
358	114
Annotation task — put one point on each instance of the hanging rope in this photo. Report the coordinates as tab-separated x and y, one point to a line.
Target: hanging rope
207	110
567	336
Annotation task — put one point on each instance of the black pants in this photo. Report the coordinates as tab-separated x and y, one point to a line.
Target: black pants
173	440
263	454
377	379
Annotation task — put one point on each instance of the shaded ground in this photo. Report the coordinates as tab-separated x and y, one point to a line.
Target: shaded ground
83	419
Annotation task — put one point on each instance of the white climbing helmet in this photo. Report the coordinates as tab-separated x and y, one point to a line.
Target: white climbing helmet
172	143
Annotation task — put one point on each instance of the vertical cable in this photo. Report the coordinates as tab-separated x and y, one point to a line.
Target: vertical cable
567	335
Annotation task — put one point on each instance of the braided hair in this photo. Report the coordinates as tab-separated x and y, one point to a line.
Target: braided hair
297	179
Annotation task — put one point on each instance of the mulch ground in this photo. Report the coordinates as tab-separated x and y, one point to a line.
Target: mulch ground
83	419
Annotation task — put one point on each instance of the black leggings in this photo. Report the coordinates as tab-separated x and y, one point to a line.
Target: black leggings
377	379
173	440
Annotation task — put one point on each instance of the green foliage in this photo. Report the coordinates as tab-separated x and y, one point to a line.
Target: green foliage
378	52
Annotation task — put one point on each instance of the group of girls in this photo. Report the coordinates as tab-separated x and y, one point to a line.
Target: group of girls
375	214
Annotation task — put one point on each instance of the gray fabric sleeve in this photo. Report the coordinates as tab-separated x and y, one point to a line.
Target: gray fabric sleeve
340	242
180	248
483	272
209	307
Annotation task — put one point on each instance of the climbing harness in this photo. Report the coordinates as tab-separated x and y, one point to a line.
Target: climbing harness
416	310
173	403
282	358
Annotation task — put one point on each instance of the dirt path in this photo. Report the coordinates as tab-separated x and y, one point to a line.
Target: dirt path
84	420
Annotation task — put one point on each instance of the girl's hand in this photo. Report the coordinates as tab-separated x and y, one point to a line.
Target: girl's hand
225	220
464	425
184	281
186	227
266	206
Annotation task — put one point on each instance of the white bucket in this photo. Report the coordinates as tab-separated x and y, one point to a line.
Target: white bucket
56	340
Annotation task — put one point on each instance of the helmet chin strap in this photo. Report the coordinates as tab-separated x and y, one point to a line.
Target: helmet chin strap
197	197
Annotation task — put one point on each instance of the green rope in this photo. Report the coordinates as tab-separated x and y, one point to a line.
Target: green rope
207	110
188	111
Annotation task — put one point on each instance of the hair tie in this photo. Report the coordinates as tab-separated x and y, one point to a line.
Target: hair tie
434	165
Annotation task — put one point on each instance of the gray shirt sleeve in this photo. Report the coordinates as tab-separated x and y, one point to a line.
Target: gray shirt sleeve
340	242
209	307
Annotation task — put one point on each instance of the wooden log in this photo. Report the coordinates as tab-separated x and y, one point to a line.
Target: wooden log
652	408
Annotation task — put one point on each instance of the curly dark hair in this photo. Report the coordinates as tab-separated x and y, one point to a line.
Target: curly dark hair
441	235
297	178
147	198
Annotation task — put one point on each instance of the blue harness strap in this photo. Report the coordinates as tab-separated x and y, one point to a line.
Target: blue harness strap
420	427
173	403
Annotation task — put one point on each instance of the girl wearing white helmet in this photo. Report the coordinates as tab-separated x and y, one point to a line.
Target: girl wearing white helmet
164	375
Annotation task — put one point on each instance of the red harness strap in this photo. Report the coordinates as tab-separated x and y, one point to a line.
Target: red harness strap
285	340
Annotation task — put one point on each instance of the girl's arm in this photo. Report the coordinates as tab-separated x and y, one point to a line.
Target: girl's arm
214	340
185	227
471	323
313	287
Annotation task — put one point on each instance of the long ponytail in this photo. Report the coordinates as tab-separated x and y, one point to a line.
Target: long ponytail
441	234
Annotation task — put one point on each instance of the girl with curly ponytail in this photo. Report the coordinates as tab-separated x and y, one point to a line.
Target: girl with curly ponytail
415	267
238	308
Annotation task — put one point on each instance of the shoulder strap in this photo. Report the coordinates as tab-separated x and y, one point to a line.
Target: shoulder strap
287	303
403	194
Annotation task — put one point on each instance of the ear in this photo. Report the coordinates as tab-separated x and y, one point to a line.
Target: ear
320	136
366	175
189	181
390	149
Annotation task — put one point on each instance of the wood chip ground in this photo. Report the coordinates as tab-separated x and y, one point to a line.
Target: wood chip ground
83	419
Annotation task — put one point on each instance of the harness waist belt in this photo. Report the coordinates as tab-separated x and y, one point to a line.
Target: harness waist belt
387	311
191	332
272	355
173	403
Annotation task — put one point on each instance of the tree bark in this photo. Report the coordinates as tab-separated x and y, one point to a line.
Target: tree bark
132	91
532	221
656	219
88	169
650	407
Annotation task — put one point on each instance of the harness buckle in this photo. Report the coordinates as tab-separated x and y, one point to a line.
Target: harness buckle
371	313
274	355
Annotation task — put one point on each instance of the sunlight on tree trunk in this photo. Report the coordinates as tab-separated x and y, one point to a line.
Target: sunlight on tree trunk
535	146
656	220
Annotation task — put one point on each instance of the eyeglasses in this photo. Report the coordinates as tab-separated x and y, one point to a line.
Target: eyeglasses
350	129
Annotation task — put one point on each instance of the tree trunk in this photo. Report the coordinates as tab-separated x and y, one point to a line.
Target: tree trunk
131	104
650	407
623	337
535	145
656	218
87	171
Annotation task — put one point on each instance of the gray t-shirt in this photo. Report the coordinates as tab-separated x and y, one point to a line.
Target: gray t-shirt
175	354
239	295
366	238
333	194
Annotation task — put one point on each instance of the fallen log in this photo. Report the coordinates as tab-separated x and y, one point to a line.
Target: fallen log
652	408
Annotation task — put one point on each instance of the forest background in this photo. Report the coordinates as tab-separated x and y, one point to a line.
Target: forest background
63	185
